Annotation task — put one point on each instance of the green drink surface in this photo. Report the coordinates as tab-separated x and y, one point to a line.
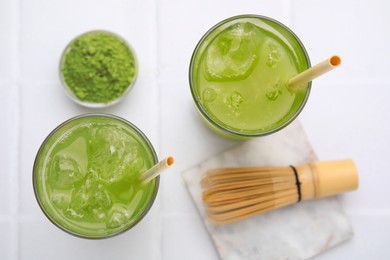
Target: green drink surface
240	75
87	176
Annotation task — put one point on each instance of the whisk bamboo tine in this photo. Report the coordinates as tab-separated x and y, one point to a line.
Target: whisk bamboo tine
249	183
243	183
226	220
218	199
215	197
233	188
245	211
240	203
255	186
253	208
226	172
222	178
222	221
232	170
220	202
244	175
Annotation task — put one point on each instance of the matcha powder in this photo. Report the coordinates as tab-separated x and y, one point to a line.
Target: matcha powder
98	67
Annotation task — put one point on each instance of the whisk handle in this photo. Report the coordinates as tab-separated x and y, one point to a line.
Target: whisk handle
334	177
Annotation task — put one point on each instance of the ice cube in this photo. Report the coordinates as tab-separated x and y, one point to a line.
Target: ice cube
137	165
101	197
233	54
99	213
78	203
92	199
72	214
61	198
99	203
64	172
274	53
234	102
113	153
209	95
118	217
274	91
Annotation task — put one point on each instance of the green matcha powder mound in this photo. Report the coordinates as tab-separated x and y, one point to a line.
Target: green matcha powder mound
98	67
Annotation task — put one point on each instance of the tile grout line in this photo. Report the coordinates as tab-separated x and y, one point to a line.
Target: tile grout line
288	12
16	157
159	252
367	212
292	14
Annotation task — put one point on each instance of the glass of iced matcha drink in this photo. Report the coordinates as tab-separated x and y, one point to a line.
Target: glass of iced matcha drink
238	76
86	176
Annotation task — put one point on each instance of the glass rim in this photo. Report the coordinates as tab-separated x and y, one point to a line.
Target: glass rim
89	104
215	122
38	157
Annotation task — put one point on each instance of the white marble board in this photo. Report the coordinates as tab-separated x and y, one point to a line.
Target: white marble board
298	231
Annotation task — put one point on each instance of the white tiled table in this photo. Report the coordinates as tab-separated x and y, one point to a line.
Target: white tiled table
346	115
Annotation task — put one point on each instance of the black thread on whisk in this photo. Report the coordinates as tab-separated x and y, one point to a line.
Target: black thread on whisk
297	182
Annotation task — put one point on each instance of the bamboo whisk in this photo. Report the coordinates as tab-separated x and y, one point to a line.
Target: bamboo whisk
232	194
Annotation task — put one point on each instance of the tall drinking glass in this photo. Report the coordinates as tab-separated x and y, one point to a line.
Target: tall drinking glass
86	176
238	76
